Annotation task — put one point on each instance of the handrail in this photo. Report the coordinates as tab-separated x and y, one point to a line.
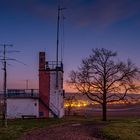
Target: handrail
23	95
47	106
55	109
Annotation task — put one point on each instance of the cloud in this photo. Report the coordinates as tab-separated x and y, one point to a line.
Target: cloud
80	12
104	12
37	8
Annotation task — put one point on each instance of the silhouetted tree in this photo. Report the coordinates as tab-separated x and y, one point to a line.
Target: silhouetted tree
104	79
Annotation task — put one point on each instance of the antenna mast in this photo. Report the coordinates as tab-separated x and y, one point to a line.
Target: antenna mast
58	27
57	44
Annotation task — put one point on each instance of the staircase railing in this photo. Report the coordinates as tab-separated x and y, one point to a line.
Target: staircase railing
53	107
47	107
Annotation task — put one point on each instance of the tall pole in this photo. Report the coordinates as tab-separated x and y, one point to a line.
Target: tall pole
57	45
27	84
5	85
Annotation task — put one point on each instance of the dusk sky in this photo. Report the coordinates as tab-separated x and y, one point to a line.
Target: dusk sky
30	25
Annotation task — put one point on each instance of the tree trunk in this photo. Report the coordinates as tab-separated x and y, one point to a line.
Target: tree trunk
104	112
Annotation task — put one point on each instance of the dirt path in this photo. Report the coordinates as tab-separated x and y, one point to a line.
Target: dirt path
66	132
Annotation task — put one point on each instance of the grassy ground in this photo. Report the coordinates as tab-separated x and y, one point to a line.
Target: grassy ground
116	129
17	127
123	129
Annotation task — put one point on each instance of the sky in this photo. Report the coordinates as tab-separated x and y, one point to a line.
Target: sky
30	25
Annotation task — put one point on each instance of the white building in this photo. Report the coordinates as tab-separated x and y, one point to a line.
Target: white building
45	102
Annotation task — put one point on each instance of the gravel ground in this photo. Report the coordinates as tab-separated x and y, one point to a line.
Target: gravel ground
66	132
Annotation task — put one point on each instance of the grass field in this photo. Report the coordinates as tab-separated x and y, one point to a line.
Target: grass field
123	129
17	127
116	129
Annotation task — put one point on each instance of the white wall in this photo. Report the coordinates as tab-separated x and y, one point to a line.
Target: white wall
53	80
56	95
16	107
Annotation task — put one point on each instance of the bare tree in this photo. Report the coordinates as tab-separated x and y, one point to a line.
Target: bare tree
104	79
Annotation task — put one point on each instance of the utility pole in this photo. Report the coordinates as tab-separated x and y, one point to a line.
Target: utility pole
5	83
4	60
27	84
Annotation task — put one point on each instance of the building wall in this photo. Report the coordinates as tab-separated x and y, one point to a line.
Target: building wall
44	90
16	107
56	94
44	86
49	93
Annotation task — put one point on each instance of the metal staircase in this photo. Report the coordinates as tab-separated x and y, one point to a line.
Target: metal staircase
52	109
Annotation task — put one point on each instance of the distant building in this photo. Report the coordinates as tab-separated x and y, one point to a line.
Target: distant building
45	102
